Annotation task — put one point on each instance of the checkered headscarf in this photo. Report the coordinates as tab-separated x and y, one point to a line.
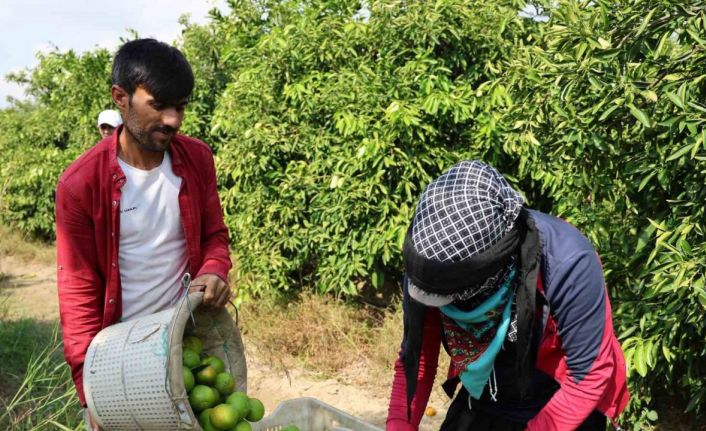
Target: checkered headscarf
462	213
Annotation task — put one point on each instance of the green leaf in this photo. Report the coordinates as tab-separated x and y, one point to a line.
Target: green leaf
640	115
667	353
607	112
645	21
627	333
639	360
680	152
646	180
650	95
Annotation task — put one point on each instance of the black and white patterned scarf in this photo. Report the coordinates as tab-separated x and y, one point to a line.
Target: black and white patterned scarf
460	215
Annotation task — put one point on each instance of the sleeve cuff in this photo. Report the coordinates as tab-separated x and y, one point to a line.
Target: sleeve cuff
399	425
215	268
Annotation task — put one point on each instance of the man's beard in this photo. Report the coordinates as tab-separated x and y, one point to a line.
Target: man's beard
144	138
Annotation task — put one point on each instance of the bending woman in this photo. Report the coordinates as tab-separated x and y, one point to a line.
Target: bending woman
517	299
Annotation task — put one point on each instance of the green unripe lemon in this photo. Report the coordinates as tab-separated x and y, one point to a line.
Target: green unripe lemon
225	383
215	362
191	359
257	410
192	343
207	376
204	417
188	379
242	426
239	400
202	397
224	416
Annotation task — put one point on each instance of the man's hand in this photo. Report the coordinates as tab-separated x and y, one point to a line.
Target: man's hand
216	291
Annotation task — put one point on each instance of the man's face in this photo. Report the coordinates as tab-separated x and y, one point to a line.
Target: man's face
105	130
152	123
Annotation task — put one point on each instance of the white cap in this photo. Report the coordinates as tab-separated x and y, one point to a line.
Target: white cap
110	117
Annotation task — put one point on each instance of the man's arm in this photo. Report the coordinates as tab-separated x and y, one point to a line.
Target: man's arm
578	302
214	234
80	287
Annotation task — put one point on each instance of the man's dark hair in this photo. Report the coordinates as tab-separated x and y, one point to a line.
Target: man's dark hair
160	68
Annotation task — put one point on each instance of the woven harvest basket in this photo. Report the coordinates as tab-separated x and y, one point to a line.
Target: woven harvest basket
132	374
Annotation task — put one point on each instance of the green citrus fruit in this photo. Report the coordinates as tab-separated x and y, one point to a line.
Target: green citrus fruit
192	343
191	359
207	376
225	383
202	397
206	424
215	362
290	428
242	426
240	401
257	410
205	417
188	380
217	395
224	416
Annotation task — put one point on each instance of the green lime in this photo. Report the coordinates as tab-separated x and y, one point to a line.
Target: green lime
215	362
257	410
207	376
202	397
224	416
191	359
242	426
216	396
239	400
290	428
204	417
205	421
188	379
225	383
192	343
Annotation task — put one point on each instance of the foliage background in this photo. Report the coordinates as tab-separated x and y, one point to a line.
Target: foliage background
328	117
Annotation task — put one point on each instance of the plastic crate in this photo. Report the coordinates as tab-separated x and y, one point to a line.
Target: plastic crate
310	414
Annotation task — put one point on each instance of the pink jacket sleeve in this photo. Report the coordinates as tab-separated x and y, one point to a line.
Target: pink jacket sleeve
397	410
80	287
583	316
214	234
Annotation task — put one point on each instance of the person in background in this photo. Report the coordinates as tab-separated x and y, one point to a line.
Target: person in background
518	300
139	209
108	121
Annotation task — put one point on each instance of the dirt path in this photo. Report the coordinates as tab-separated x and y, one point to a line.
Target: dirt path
30	291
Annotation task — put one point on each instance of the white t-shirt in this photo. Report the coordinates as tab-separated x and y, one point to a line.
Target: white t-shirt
152	251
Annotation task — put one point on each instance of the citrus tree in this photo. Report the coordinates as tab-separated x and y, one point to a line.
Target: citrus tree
607	120
38	139
334	120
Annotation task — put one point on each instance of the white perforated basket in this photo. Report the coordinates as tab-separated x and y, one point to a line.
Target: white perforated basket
310	414
132	374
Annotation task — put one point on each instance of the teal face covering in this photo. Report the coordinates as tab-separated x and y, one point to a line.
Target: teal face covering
475	337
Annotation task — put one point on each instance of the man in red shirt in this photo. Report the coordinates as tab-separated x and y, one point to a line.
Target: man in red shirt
138	210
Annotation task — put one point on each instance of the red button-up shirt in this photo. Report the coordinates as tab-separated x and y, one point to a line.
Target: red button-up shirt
88	235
